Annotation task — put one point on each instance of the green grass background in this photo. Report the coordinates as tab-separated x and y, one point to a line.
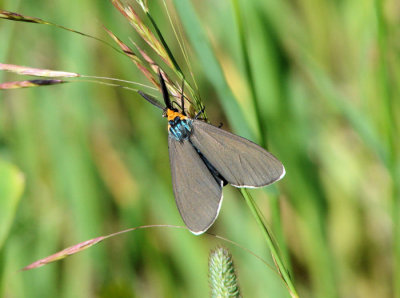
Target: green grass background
95	159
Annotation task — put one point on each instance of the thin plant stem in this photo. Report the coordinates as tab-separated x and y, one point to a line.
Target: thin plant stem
263	136
270	242
249	74
178	70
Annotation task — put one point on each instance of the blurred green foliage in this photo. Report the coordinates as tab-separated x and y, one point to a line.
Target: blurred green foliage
95	158
11	186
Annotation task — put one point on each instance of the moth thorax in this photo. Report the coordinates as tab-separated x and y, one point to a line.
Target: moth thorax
180	127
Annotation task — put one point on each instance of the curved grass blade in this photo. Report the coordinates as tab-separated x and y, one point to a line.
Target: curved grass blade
91	242
272	244
12	16
260	121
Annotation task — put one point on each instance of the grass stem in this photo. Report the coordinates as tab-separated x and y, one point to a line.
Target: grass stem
270	242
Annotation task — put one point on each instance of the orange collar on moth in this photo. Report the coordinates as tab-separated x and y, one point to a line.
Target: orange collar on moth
171	115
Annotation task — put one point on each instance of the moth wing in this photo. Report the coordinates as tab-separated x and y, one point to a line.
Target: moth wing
241	162
197	194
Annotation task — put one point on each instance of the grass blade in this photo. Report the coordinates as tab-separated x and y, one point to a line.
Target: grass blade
11	186
12	16
212	68
283	272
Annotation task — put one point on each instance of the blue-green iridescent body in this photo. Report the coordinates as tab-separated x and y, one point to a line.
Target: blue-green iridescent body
180	129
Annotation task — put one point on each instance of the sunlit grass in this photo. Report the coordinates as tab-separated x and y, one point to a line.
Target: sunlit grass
95	157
